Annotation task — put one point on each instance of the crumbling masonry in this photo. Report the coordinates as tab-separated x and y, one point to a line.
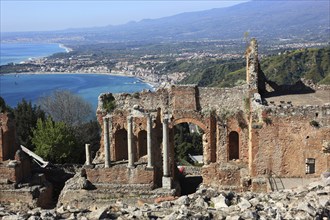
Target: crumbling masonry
248	144
17	184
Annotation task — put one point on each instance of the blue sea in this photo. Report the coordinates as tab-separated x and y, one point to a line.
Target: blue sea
15	87
19	52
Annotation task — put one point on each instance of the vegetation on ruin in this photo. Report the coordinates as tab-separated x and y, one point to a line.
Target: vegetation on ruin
109	103
186	143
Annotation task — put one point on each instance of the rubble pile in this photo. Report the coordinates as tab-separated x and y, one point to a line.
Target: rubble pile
309	202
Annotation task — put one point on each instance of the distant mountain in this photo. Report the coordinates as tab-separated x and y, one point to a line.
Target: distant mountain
265	20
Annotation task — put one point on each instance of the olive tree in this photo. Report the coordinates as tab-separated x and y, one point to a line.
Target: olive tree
64	106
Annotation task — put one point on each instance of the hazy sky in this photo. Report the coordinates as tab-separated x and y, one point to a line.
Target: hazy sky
40	15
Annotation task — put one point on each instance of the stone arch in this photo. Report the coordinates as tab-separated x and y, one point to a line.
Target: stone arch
121	148
142	143
208	150
190	120
233	146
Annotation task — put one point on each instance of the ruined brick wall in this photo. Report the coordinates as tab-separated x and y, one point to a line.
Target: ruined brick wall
222	100
182	103
238	124
121	175
252	65
12	174
185	98
30	197
8	145
226	176
242	137
146	99
288	137
16	197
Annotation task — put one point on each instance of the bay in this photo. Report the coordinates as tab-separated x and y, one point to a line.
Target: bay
15	87
19	52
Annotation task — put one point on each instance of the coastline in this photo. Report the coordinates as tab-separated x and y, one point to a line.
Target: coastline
67	49
153	85
28	59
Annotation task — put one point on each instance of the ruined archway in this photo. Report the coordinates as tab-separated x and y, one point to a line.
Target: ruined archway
233	146
207	125
121	149
188	155
142	143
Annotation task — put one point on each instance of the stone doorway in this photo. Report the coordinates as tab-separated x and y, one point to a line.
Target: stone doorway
188	150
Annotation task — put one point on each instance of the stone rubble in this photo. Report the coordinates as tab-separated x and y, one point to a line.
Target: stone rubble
309	202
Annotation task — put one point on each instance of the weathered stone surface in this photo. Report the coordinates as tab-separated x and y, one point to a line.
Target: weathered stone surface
219	202
244	204
304	203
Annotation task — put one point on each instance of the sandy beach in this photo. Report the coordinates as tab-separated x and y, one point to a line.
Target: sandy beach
67	49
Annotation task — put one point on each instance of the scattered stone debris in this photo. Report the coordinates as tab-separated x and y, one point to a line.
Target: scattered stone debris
309	202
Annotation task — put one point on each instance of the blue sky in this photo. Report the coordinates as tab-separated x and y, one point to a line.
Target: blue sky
44	15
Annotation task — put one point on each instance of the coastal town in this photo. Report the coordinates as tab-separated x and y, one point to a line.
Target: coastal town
145	67
152	68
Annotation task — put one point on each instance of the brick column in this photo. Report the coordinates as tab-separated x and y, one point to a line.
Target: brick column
149	149
106	142
130	142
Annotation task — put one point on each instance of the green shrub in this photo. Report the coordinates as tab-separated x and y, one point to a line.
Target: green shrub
54	141
109	102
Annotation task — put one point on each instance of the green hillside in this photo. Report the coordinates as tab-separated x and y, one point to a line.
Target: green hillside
221	74
286	68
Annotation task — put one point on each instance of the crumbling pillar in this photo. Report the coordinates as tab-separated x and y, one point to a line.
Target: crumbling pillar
166	180
206	154
130	142
106	142
88	154
149	149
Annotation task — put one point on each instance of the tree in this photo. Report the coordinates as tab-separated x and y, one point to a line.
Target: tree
4	107
66	107
186	142
26	117
54	141
88	133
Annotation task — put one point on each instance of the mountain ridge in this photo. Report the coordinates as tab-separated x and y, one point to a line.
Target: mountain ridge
262	19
